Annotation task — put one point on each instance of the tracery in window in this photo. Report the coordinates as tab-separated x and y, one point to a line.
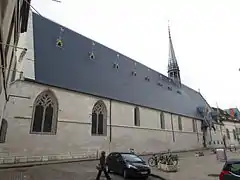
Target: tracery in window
99	119
45	114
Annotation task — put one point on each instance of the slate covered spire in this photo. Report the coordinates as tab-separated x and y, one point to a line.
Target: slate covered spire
173	68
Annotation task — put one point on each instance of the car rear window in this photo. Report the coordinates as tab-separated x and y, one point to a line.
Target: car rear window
234	168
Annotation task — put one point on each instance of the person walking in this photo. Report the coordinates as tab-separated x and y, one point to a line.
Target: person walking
102	167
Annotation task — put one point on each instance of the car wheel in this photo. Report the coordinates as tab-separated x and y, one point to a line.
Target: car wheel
125	174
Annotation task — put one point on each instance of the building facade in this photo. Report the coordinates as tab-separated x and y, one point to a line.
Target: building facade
13	20
80	97
229	127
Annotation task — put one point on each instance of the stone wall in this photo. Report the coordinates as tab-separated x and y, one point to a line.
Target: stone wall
74	127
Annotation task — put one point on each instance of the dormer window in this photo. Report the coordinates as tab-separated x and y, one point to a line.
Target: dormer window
115	65
134	73
91	55
147	78
159	84
59	43
179	92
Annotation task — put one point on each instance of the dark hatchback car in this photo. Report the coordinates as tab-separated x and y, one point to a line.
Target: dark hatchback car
128	165
231	170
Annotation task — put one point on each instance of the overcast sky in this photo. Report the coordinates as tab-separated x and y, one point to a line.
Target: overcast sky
205	34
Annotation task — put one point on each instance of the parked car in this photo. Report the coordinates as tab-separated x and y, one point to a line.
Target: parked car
127	165
231	170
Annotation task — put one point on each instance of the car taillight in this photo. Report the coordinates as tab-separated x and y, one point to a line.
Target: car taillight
222	174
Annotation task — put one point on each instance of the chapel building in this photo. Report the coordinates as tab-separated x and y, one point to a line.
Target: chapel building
70	94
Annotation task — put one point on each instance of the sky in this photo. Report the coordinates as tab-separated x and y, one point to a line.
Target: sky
205	35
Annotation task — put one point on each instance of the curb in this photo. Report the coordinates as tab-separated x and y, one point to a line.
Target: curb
157	176
22	165
40	163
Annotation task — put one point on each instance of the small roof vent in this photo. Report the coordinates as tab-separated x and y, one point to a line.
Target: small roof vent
115	65
91	55
179	92
134	73
159	84
59	43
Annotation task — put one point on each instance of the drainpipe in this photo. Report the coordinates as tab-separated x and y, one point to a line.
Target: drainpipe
110	125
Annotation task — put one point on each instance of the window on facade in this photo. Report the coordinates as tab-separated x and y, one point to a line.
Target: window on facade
228	134
45	114
194	124
179	123
162	120
234	134
136	116
3	131
99	119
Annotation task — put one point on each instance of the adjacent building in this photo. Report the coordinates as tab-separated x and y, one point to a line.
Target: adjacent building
79	96
229	126
13	21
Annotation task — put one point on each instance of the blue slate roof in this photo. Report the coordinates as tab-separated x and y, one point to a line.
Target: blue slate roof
70	67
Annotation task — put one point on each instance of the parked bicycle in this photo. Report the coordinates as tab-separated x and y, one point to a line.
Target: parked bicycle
163	158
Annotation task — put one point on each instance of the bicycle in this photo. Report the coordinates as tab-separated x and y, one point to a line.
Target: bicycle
154	160
167	158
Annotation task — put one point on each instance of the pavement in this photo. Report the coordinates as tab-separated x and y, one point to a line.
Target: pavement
68	171
191	167
206	167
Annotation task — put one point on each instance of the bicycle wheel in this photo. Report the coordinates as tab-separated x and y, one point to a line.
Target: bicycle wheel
151	162
175	162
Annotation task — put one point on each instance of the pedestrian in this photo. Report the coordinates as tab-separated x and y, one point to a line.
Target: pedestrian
132	151
102	167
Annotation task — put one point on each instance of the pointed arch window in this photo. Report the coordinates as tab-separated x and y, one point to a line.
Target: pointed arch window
136	116
99	119
162	120
45	114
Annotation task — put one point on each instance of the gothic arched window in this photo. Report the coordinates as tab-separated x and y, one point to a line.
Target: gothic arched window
99	119
45	114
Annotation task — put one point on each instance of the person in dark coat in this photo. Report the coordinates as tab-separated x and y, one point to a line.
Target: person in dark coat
102	167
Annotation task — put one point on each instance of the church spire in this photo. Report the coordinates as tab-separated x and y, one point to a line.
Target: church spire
173	68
